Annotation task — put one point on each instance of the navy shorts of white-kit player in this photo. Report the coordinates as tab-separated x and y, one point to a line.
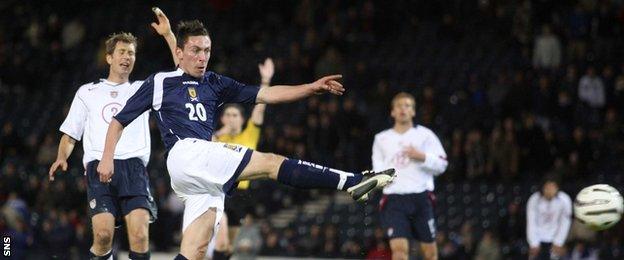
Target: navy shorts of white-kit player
201	171
127	191
408	216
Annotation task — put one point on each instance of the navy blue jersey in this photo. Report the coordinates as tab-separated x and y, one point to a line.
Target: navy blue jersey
185	106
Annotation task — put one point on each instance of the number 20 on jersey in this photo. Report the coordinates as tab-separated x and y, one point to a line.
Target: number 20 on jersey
197	112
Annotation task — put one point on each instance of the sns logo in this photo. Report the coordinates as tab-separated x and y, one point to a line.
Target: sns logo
6	246
109	111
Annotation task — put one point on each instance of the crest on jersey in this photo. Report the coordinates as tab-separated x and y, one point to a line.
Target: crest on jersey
113	94
92	204
193	94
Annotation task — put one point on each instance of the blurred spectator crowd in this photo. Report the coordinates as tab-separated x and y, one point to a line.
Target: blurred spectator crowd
514	89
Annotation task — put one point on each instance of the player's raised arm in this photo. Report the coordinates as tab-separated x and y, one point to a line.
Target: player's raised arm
267	69
163	28
284	94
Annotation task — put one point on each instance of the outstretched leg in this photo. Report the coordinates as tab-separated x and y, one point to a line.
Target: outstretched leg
306	175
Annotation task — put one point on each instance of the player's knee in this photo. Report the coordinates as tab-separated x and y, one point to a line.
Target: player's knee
201	250
139	237
273	163
399	251
398	247
196	248
201	253
430	254
221	244
399	255
103	237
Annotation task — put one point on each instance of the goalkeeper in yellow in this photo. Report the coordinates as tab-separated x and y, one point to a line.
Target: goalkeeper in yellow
233	132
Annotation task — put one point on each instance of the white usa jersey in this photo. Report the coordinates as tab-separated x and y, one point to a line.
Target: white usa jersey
411	176
548	220
91	111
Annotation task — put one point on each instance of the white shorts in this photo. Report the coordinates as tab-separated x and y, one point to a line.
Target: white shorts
202	172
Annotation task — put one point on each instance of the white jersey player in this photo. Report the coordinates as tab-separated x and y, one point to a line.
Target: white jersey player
126	197
90	113
549	216
417	155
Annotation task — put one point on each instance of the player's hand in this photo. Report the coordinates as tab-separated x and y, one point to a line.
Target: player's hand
328	84
267	69
558	250
226	129
55	166
163	27
414	153
105	169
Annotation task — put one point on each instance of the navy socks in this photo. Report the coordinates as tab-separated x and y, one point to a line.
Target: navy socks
107	256
306	175
139	256
180	257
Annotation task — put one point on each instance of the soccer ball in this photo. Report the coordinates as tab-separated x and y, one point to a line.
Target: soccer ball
599	206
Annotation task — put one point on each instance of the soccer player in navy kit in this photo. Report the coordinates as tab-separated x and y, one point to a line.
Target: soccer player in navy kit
185	103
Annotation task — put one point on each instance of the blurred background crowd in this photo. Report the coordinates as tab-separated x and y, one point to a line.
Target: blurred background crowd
514	89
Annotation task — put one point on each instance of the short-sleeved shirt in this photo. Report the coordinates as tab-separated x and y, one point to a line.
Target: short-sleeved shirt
185	106
90	113
411	176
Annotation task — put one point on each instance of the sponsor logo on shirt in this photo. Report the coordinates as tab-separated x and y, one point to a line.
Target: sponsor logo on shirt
232	147
113	94
190	83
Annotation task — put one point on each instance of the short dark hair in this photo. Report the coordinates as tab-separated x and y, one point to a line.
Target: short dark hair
113	39
551	177
187	29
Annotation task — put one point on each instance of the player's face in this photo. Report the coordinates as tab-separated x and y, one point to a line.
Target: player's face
550	189
122	59
232	117
403	110
195	55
